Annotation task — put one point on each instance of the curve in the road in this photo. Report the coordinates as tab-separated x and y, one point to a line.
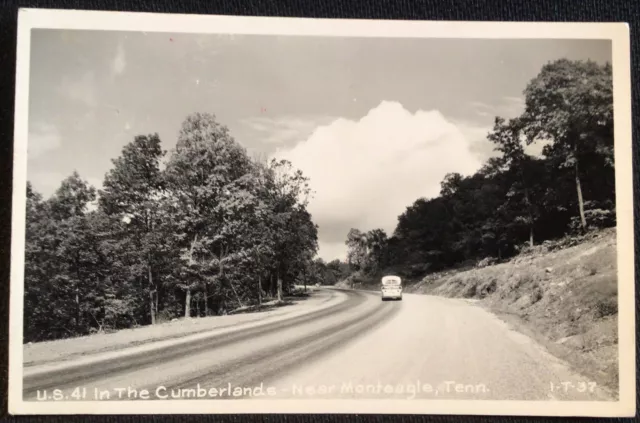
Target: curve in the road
276	360
73	376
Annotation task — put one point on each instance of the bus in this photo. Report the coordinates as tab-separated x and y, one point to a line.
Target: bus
391	288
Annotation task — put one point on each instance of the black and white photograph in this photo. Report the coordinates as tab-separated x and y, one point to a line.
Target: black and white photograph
219	214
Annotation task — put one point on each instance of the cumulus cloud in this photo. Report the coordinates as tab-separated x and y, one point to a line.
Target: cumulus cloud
365	173
42	139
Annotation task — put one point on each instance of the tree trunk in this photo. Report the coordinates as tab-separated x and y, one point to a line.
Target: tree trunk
530	213
151	295
77	311
259	290
187	305
236	294
206	300
279	286
272	289
77	293
152	310
187	301
583	220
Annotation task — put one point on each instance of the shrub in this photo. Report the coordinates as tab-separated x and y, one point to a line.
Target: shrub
606	308
536	294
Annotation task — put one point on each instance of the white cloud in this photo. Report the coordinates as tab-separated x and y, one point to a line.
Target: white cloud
42	139
476	136
369	171
119	61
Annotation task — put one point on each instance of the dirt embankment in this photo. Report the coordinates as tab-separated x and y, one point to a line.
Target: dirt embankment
563	294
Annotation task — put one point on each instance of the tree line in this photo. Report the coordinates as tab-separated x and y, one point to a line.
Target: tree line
201	232
516	199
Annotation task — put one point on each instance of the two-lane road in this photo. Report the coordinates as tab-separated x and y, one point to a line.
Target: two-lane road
359	347
440	348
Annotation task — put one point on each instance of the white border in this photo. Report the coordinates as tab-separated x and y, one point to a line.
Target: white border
618	33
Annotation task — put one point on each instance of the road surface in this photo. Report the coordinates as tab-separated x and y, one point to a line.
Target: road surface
356	347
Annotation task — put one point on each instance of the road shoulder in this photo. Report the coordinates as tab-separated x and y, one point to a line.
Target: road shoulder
67	349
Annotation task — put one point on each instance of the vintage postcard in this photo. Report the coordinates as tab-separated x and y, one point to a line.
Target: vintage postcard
217	214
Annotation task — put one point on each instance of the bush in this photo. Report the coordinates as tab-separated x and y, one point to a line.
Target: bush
606	308
537	294
597	216
488	288
487	261
418	269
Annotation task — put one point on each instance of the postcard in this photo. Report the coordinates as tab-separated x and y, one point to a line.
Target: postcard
225	214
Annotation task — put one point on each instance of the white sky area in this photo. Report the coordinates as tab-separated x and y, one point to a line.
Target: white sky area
374	123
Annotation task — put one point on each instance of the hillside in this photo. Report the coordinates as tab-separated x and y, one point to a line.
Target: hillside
563	294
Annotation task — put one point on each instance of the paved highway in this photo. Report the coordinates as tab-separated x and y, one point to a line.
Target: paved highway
354	347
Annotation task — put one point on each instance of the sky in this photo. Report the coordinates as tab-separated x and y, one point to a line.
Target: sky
374	123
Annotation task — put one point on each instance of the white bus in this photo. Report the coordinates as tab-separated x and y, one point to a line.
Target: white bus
391	288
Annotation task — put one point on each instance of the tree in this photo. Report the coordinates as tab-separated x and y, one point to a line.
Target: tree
570	104
356	249
519	205
207	230
377	245
450	184
72	198
132	190
63	266
205	162
294	232
263	236
43	319
68	207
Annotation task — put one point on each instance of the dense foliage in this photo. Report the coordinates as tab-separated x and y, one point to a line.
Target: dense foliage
515	200
206	231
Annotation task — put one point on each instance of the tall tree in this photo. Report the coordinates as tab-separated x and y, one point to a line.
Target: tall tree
295	233
570	104
71	198
68	207
377	245
205	162
356	249
519	206
133	189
